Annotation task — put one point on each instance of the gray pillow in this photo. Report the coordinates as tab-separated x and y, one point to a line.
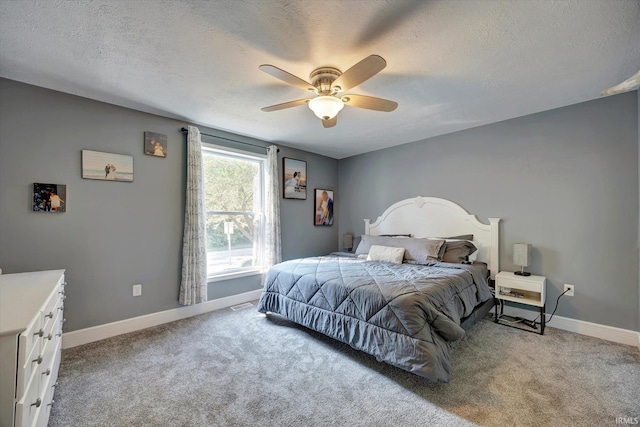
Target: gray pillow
458	251
461	237
415	249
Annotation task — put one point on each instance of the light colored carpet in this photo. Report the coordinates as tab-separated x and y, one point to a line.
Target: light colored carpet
241	368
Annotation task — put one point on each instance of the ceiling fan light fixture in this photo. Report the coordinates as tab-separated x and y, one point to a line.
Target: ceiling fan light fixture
326	107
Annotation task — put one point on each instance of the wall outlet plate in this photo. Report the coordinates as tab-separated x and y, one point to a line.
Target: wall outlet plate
570	288
137	290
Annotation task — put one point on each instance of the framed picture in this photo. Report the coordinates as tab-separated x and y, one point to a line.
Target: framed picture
107	166
49	197
323	207
294	178
155	144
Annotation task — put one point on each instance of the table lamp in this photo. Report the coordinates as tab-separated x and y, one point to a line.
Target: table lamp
347	241
522	257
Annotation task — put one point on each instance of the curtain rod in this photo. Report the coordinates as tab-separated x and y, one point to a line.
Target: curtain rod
184	130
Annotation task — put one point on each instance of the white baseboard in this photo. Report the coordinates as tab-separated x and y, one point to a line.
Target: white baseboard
609	333
96	333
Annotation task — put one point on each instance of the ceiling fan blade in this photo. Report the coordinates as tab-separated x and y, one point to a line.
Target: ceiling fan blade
287	77
369	102
361	72
630	84
285	105
330	123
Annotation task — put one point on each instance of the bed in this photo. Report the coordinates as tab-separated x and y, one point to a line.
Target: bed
396	298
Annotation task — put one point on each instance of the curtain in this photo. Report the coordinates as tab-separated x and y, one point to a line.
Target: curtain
193	287
273	247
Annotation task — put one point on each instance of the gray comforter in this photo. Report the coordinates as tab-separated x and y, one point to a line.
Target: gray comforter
407	315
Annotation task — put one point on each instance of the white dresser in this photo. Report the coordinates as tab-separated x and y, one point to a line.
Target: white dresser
31	318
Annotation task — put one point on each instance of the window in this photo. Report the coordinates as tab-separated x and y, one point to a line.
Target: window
234	203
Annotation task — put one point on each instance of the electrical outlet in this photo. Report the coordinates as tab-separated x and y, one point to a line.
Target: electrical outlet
137	290
570	288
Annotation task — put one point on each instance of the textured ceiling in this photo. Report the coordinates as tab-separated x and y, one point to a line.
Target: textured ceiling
452	65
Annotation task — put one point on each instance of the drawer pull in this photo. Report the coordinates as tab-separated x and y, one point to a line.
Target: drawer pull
63	297
59	334
47	372
37	403
61	307
51	404
38	360
50	315
64	320
48	337
39	333
55	385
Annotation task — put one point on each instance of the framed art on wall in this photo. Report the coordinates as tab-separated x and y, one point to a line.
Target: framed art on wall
49	197
107	166
155	144
294	178
323	211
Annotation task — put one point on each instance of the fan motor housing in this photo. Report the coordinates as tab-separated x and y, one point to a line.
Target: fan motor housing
322	78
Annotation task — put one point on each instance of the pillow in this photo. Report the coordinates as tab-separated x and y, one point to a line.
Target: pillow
461	237
427	250
386	254
416	249
458	251
356	243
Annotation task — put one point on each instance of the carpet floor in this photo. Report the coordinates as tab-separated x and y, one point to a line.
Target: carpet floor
241	368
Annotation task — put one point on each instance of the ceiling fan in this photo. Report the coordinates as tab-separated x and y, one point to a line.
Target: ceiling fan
328	84
631	83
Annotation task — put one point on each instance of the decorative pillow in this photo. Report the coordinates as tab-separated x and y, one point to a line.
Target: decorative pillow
416	249
386	254
457	251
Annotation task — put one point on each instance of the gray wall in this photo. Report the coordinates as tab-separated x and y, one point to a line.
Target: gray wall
300	238
564	180
114	235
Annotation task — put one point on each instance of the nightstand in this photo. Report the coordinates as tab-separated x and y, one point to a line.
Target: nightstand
529	290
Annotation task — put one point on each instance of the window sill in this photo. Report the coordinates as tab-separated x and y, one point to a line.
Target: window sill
234	275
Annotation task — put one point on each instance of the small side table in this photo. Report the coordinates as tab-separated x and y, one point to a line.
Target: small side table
529	290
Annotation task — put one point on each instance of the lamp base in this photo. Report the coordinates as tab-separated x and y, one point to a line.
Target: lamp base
522	273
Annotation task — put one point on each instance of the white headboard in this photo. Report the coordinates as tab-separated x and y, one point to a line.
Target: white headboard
434	217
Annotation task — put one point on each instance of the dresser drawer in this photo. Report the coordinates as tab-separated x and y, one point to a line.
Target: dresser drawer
41	353
26	369
28	407
50	345
507	282
30	338
51	322
50	311
45	409
34	408
48	388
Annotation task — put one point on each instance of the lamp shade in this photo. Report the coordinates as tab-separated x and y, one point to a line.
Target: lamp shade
522	254
347	241
326	107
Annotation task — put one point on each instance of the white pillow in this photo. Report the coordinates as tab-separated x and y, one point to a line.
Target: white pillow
386	254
